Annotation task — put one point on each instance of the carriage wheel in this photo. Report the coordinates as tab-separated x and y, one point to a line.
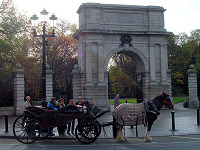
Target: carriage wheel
99	127
26	129
87	132
44	132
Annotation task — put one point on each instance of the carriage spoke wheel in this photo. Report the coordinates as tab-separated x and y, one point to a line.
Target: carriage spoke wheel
44	132
87	133
26	129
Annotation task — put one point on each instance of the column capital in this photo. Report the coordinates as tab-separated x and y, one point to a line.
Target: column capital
151	44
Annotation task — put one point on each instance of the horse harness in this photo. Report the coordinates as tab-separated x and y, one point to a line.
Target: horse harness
150	107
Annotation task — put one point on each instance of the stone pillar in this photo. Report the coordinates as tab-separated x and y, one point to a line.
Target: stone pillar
152	64
192	85
100	66
49	83
88	66
76	82
169	82
18	89
163	64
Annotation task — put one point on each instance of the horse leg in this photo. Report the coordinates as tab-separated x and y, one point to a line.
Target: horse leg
114	128
147	136
120	137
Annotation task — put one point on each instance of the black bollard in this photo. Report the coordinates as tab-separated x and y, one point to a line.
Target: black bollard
126	100
6	123
198	116
173	121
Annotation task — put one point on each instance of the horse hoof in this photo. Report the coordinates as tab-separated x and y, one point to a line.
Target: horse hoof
121	140
148	139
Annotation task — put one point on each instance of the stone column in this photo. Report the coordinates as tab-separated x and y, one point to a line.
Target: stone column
169	82
163	64
192	85
49	83
100	66
76	82
88	66
18	89
152	64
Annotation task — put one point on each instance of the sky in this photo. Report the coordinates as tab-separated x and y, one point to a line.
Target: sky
180	15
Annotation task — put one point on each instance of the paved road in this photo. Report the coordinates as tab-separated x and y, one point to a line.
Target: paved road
191	142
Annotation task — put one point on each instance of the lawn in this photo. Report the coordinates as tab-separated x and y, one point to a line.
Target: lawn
179	99
133	100
123	100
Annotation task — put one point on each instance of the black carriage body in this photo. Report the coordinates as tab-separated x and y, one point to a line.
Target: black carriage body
36	123
54	118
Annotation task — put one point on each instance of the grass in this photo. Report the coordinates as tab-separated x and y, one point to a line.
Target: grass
179	99
123	100
132	100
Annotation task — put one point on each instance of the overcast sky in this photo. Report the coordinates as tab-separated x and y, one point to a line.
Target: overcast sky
180	15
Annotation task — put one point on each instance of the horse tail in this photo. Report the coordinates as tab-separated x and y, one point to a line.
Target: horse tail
114	128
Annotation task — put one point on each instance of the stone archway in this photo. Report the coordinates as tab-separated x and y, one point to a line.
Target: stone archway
137	31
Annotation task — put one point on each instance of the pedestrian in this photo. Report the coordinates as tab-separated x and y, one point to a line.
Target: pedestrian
72	122
116	102
27	104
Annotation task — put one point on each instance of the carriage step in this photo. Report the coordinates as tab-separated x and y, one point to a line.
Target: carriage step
104	124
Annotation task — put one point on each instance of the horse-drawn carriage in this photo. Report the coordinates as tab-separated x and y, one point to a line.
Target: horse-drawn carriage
37	123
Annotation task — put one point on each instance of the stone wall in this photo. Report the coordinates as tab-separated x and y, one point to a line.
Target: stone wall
7	110
192	86
18	83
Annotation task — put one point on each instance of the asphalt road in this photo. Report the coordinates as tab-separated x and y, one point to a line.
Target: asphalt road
189	142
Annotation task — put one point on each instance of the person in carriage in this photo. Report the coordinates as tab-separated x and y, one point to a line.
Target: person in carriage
52	103
72	122
61	129
27	104
79	101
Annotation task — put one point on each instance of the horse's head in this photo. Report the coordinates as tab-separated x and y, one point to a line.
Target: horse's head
167	101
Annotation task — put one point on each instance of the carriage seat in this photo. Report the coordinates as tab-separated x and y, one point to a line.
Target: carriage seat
35	110
97	112
69	109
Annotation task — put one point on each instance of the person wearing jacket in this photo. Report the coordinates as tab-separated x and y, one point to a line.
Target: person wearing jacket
52	103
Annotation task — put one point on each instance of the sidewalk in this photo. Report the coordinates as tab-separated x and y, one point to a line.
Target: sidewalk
185	124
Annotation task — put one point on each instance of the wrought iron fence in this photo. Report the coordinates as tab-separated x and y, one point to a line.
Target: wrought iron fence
6	92
33	88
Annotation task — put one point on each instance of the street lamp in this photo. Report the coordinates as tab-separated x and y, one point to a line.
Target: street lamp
34	18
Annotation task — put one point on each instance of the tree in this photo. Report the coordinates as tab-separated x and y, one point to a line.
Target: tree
181	54
62	56
122	75
14	41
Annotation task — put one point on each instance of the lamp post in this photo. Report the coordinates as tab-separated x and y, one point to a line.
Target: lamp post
34	18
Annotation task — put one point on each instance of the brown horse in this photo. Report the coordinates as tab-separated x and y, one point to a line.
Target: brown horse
136	114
